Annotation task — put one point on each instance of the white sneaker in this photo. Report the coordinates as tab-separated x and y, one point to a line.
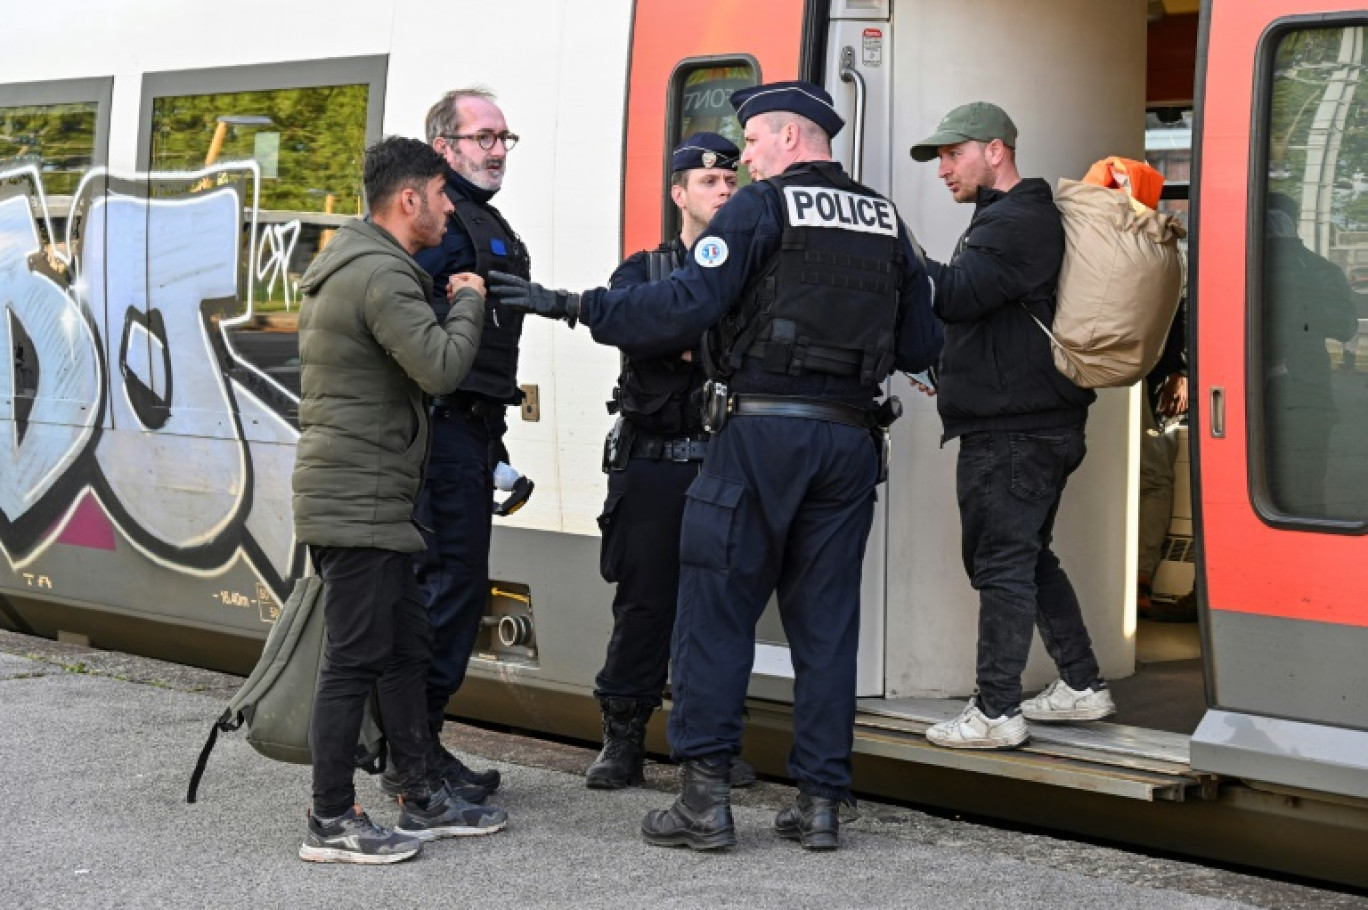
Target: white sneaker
975	730
1060	703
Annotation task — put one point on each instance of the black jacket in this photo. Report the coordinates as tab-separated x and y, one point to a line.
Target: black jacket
657	393
495	373
996	370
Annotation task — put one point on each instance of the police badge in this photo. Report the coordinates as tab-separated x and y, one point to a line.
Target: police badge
709	159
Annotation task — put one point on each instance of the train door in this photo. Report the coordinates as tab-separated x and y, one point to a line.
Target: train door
1282	393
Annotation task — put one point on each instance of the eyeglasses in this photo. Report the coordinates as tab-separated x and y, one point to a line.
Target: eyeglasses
486	139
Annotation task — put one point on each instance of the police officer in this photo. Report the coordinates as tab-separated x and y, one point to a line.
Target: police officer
817	294
468	130
651	456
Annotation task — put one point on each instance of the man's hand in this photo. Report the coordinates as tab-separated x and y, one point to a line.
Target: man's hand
465	280
529	297
1173	399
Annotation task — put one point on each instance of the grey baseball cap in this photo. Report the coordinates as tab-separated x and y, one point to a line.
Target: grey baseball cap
980	121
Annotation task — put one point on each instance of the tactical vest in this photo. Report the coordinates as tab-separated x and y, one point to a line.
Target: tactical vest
827	301
495	371
655	393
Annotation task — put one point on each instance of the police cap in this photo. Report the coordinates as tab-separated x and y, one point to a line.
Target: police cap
704	150
802	98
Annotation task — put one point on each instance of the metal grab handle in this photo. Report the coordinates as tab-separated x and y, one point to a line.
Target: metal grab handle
1217	412
850	74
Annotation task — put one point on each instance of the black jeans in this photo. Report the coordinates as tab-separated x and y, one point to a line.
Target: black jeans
1009	484
377	637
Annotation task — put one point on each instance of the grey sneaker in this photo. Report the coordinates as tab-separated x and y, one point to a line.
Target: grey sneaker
471	793
353	838
447	815
1059	703
975	730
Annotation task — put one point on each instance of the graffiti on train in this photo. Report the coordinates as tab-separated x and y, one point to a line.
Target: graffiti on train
121	381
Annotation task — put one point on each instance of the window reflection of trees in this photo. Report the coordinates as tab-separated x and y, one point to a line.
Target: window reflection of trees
309	144
321	144
57	139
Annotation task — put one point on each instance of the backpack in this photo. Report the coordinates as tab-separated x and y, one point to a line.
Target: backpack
276	701
1119	286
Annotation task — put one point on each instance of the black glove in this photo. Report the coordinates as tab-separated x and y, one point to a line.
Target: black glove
529	297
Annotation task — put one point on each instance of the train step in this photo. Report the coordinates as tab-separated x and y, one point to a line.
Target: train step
1114	759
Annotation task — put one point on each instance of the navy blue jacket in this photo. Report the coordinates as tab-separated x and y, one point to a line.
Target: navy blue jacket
997	371
665	317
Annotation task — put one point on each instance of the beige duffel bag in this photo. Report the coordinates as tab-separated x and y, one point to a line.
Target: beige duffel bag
1119	286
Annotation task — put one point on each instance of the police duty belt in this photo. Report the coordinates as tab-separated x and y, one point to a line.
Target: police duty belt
806	408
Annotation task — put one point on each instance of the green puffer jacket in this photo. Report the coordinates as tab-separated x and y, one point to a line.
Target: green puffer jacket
369	348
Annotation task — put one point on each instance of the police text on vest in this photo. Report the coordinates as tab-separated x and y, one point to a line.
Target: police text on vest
824	207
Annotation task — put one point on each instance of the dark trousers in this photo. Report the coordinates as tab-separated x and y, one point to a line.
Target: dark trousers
456	504
640	554
1009	486
783	505
377	638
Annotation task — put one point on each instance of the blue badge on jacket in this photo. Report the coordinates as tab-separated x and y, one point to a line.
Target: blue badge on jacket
498	247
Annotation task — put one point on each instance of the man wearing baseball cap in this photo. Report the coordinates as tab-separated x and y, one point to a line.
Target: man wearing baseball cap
652	455
814	293
1020	424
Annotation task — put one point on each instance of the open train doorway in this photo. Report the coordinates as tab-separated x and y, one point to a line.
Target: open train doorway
1135	101
1167	691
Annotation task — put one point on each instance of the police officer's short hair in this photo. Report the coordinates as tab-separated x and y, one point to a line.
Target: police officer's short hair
395	163
444	118
813	135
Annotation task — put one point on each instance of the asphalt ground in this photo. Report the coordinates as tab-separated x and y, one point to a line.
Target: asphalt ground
97	748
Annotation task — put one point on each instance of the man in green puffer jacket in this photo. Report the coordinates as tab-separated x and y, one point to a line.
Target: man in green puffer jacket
370	352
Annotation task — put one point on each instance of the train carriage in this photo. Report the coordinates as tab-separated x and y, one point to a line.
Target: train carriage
167	174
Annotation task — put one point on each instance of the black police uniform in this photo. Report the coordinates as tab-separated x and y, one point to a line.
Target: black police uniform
651	457
786	495
456	502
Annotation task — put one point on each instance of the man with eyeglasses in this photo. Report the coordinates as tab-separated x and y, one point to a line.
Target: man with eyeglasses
455	508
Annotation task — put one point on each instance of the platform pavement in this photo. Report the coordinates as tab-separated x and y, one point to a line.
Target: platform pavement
97	748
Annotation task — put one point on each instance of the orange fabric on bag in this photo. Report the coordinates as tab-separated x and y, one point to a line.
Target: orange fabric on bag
1145	182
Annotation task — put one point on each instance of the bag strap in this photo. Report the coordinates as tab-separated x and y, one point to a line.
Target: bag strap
1048	334
227	723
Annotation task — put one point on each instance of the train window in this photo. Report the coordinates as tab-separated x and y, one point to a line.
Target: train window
57	139
700	100
60	128
51	135
292	139
1312	304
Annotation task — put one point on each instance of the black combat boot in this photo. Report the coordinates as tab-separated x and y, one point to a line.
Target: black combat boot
813	821
701	818
624	745
742	773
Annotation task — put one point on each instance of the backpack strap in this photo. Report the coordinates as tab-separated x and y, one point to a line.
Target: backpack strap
227	723
1054	342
